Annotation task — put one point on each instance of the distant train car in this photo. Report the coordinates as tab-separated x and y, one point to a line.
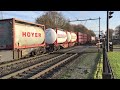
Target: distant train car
68	37
85	39
55	38
79	38
24	38
51	36
88	39
73	40
73	37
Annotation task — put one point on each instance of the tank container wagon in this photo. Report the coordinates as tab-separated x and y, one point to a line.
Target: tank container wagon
57	38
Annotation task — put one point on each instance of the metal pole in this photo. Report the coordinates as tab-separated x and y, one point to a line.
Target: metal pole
107	31
103	55
119	31
99	27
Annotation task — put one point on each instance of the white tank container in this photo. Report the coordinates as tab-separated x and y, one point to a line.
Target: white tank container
51	36
73	37
61	36
68	36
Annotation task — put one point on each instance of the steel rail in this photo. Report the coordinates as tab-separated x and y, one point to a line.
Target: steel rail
28	68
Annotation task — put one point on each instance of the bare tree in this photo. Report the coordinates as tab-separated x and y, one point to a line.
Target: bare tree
53	19
91	32
110	33
117	30
81	28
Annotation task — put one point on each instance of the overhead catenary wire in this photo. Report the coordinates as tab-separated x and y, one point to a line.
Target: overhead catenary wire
77	18
88	20
85	22
71	14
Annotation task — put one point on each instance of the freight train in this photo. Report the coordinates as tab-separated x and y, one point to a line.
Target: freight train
28	39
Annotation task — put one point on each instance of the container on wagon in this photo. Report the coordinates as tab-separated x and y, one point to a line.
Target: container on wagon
16	33
23	38
51	36
68	36
80	37
73	37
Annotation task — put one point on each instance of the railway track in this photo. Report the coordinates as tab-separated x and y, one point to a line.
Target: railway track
19	60
17	65
34	67
40	69
73	50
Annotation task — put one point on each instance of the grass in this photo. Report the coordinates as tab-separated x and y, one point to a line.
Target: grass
86	62
67	75
114	58
99	70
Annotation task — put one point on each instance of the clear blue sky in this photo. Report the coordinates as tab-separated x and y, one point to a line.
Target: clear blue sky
72	15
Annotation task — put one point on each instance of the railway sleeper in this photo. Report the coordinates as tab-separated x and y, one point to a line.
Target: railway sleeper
16	77
51	71
44	67
22	74
46	71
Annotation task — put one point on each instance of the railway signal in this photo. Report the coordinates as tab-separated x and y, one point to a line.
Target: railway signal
109	15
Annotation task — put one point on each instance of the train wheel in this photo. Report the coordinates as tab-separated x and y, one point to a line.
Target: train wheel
51	49
37	52
32	53
58	48
55	48
44	50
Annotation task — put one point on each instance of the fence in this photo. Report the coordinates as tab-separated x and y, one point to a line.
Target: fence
107	71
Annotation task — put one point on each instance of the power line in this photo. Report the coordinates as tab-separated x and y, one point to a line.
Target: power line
85	22
76	18
89	19
84	19
71	14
